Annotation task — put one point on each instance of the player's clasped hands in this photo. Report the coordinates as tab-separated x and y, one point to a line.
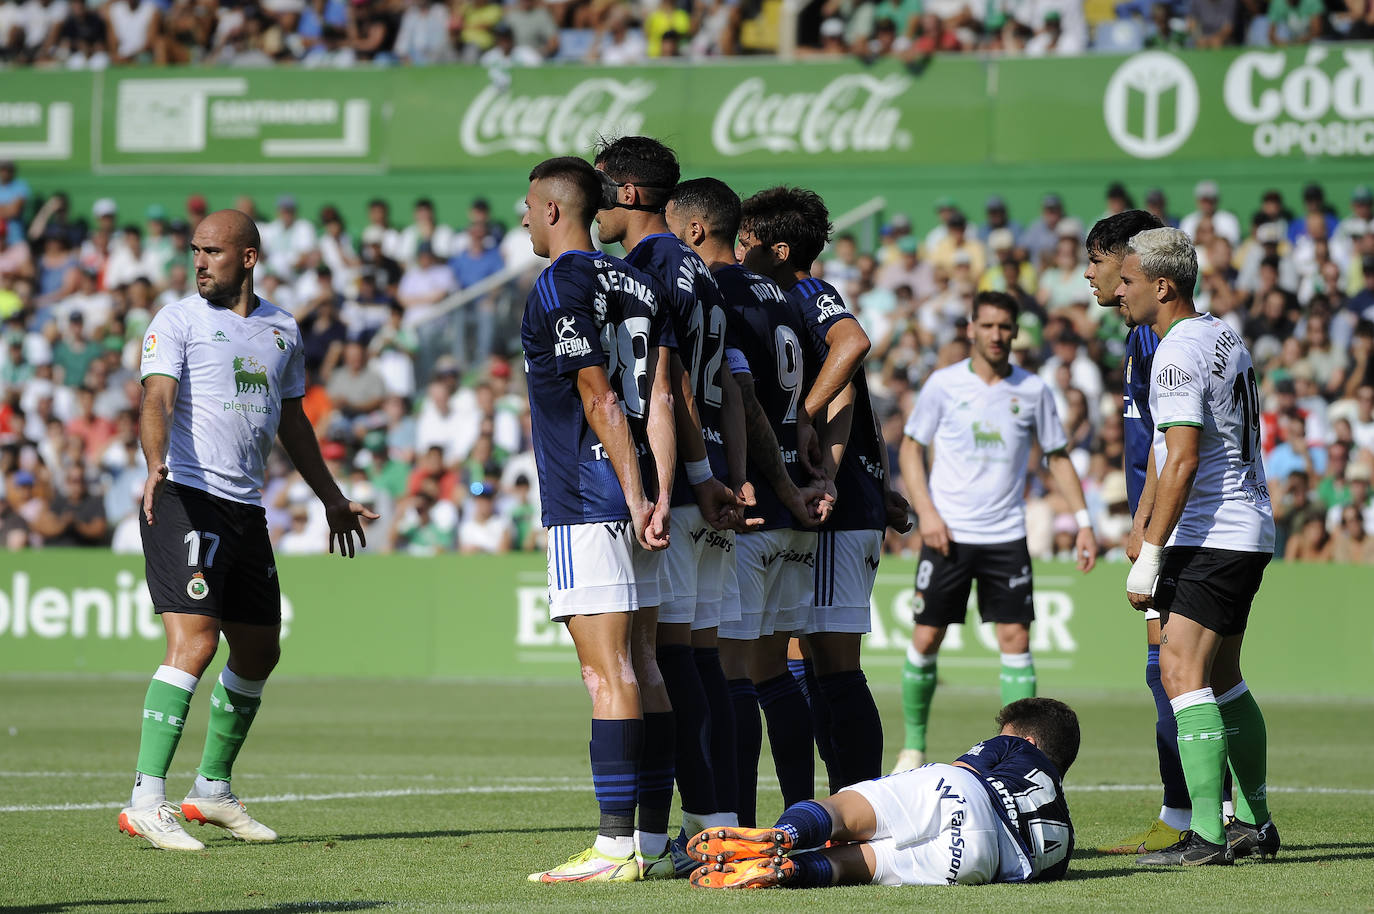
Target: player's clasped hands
650	522
344	518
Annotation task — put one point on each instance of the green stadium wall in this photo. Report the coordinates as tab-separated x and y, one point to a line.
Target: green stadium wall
69	611
958	125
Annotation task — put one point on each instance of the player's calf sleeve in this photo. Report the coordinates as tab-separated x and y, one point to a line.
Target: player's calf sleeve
722	735
695	777
616	748
1166	737
918	688
744	698
655	783
856	729
808	822
165	706
1202	750
1018	677
790	736
233	705
1247	750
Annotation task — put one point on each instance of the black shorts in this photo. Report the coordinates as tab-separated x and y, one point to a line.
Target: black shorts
1003	573
211	556
1213	587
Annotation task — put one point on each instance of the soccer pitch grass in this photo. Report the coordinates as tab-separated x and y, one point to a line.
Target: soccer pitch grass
424	796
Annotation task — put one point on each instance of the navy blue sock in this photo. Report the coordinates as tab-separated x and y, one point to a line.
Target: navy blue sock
820	716
748	744
856	729
615	749
1166	737
655	789
695	778
813	871
808	822
790	736
800	668
723	761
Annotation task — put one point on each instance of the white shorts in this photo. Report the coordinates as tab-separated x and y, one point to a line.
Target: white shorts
774	577
591	570
730	610
694	565
846	567
937	826
651	575
1152	614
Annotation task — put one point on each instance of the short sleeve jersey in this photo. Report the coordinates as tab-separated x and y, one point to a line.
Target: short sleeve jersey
233	373
1137	421
982	435
763	329
1203	377
586	308
696	313
1028	791
860	482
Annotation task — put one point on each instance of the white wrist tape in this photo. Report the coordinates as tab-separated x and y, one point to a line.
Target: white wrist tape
1145	571
1083	519
698	471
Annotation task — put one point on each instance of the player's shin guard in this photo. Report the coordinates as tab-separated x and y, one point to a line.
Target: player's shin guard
748	744
856	729
695	777
615	750
165	706
233	705
1018	677
918	688
1247	749
1202	750
1166	737
655	784
723	759
790	736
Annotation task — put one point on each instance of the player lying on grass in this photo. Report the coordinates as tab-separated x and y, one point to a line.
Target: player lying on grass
996	814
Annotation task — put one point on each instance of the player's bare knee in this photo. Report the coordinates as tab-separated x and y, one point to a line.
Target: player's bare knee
1013	638
927	638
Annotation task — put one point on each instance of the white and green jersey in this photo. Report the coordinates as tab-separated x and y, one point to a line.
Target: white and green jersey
982	435
1203	377
233	373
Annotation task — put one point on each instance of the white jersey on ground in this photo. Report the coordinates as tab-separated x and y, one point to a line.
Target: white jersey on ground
982	435
233	373
1203	377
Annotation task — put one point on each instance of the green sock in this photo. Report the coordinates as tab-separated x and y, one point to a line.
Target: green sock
231	714
1247	749
1018	677
918	687
164	715
1202	750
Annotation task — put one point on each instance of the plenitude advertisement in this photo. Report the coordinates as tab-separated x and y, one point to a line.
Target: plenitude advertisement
75	611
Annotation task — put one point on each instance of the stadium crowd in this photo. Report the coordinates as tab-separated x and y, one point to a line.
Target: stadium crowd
443	450
342	33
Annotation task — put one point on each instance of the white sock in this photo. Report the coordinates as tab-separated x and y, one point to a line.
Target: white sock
719	819
1177	819
1228	810
208	788
148	790
916	658
650	844
622	846
1017	661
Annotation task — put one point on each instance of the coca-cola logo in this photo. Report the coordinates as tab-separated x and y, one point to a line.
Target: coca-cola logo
501	120
852	113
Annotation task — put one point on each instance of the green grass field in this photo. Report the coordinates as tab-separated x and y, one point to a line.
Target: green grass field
406	796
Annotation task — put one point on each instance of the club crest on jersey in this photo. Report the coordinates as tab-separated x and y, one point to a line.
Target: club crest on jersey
1130	364
281	343
1171	377
830	306
250	376
571	343
1015	406
197	588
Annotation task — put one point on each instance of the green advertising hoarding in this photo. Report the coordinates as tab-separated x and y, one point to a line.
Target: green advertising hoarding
457	616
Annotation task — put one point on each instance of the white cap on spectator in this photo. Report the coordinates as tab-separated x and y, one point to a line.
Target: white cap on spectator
1206	190
1269	233
1071	227
1001	239
105	206
832	28
37	349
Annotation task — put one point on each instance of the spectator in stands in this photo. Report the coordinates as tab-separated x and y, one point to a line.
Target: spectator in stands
422	35
997	218
1315	209
1310	542
934	35
475	21
616	43
1295	21
1165	32
1041	237
14	198
504	51
79	40
134	26
484	531
287	241
425	228
959	241
424	285
533	27
356	391
1211	23
1224	223
76	517
1355	226
336	250
1157	204
372	32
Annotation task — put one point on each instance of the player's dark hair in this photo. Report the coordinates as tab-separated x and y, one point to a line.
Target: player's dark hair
713	202
1052	724
642	161
793	215
1109	236
582	178
996	300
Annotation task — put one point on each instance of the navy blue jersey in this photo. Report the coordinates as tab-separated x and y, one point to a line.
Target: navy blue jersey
763	327
697	315
585	309
860	485
1028	792
1139	426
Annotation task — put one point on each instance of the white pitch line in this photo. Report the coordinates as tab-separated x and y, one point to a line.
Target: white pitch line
568	785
